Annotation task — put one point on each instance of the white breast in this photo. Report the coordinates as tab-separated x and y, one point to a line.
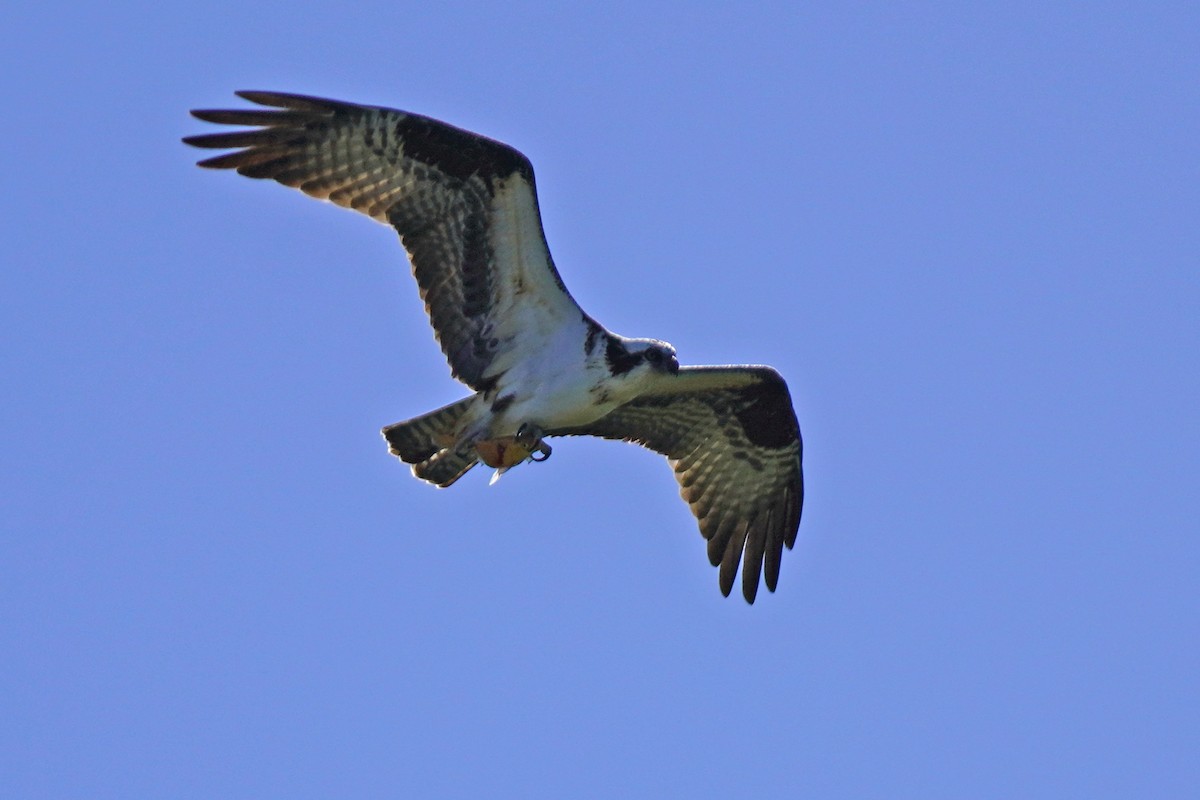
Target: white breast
556	387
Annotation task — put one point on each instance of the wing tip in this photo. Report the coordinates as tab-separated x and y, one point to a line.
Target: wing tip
292	101
284	106
750	588
265	97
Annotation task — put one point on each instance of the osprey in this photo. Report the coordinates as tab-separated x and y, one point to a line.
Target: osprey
466	210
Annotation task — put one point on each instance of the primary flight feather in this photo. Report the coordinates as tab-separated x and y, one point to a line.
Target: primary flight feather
465	207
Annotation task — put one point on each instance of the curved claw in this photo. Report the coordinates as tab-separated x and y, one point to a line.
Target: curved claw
542	449
530	436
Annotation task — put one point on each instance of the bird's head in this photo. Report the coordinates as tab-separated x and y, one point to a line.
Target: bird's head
630	357
654	355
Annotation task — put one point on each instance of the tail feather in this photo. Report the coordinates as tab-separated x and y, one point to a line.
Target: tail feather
444	468
427	443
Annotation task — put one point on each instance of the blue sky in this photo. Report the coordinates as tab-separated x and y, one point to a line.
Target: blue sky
966	234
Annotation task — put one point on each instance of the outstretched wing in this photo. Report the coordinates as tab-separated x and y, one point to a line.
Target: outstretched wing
732	437
465	207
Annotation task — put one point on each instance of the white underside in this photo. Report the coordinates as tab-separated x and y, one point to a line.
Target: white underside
543	365
556	386
541	362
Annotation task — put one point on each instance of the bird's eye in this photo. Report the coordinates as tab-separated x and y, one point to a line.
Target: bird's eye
654	356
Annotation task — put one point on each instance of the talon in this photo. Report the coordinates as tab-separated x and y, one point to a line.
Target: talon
542	449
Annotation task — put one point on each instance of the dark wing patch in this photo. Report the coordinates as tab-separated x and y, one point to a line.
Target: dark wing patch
437	185
765	411
732	438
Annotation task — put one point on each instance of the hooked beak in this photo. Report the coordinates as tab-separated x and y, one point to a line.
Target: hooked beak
673	365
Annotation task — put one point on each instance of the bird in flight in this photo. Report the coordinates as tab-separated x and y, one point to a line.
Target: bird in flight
466	209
